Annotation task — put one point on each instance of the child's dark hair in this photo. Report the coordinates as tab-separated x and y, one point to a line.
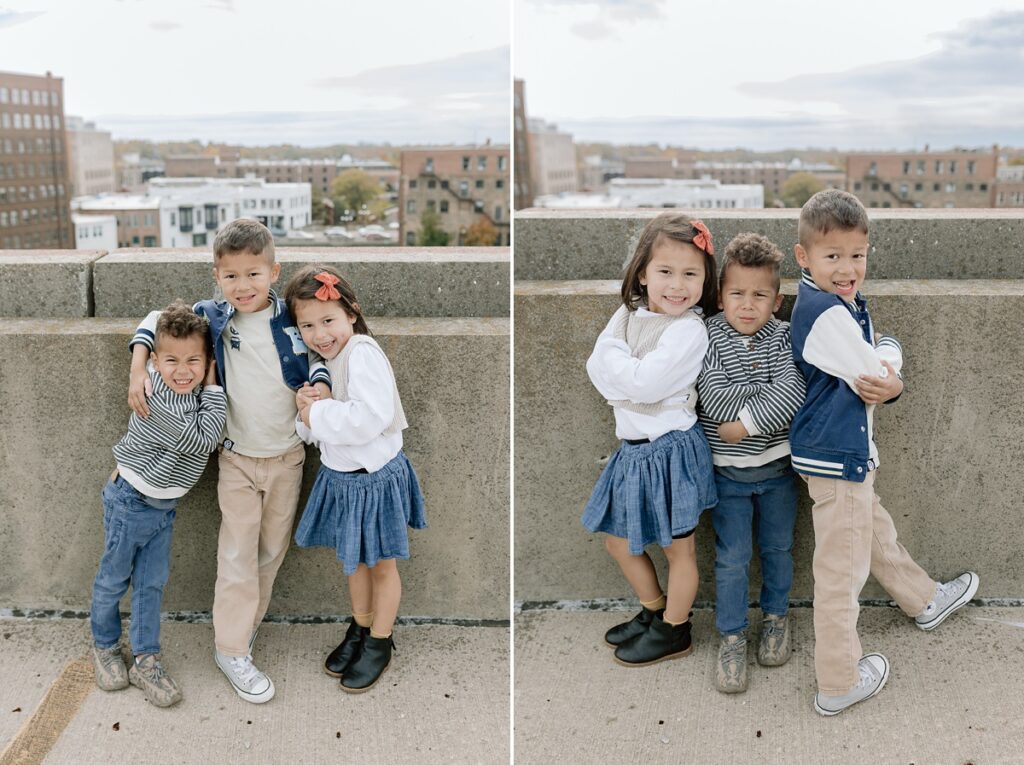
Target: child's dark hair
752	251
178	320
681	229
244	235
304	286
827	210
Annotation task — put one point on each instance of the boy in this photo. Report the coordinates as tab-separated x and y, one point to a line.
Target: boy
158	461
748	392
849	370
261	362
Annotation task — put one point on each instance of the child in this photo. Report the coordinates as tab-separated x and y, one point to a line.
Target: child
366	492
748	392
158	461
261	360
646	363
849	370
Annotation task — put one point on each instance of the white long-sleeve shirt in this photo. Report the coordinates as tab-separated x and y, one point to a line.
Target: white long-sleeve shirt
350	434
673	366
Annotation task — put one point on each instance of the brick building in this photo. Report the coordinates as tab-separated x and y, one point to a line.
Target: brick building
524	191
958	178
35	189
462	184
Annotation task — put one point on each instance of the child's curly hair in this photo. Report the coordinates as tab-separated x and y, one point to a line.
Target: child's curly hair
178	320
752	251
304	286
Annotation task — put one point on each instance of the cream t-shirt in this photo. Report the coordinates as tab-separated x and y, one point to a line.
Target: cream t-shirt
261	406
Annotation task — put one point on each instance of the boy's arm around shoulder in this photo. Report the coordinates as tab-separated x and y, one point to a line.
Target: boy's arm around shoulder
674	364
772	408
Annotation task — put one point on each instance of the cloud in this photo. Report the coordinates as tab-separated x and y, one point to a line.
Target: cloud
625	10
222	5
593	30
9	18
164	26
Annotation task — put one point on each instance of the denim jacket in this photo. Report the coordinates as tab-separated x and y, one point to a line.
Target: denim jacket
291	351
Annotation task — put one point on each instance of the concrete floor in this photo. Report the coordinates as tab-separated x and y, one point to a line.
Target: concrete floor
953	697
445	699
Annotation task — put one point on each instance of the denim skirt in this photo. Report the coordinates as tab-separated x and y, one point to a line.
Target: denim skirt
649	492
363	516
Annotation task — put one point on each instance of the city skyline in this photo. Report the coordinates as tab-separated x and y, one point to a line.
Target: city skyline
382	72
895	78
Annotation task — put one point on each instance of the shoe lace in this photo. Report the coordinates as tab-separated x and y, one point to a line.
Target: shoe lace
734	651
244	669
867	677
774	628
110	657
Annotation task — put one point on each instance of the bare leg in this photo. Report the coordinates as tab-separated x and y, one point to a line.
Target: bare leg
638	569
682	579
387	593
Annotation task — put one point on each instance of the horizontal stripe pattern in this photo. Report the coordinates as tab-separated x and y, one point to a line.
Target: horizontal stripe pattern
754	376
169	449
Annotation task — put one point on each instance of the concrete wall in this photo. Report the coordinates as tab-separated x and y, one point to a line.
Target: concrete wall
949	447
906	244
390	281
63	388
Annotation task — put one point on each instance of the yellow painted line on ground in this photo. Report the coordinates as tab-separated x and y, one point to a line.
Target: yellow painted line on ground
40	732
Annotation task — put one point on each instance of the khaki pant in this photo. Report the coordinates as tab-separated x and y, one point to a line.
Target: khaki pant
258	498
854	535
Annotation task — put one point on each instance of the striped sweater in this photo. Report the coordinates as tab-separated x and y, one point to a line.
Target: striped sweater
752	379
164	455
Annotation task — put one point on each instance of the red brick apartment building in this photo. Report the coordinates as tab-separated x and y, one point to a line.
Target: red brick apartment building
958	178
462	184
35	188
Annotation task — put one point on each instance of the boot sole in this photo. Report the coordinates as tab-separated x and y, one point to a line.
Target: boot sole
677	655
331	674
364	690
832	713
959	603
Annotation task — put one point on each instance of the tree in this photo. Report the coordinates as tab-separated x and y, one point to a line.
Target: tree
353	190
481	234
431	233
799	188
317	205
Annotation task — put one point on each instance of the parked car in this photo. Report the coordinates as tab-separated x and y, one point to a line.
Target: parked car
337	232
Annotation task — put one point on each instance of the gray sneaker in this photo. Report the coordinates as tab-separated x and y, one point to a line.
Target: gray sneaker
874	671
111	673
732	664
773	650
249	683
949	597
149	674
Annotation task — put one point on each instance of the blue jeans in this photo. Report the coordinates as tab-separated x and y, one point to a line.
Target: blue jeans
774	504
137	550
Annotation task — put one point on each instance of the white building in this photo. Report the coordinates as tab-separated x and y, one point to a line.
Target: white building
703	194
552	159
134	171
95	232
90	158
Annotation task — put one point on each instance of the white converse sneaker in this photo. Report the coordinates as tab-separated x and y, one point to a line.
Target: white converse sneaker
948	597
874	671
249	683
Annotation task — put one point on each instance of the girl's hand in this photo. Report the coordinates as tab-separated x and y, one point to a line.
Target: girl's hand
732	432
211	373
878	390
305	396
324	390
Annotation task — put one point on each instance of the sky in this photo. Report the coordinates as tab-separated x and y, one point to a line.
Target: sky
875	74
255	72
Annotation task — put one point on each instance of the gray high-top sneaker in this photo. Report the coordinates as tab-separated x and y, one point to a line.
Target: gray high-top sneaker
773	650
732	664
111	673
148	674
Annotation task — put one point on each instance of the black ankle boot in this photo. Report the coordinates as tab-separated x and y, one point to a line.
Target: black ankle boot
620	633
341	657
661	641
366	670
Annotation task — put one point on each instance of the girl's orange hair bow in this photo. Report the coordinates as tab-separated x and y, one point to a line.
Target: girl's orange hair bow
328	291
703	238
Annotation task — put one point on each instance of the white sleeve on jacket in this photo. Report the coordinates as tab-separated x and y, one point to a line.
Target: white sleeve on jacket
673	365
836	346
370	407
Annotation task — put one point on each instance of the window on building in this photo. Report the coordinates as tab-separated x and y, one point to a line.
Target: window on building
431	204
500	183
410	238
199	240
920	167
886	187
918	187
410	206
429	167
478	206
444	184
149	241
497	213
502	162
185	215
412	183
939	166
904	190
950	188
479	183
465	163
856	185
906	167
481	163
211	216
886	204
874	187
173	221
970	167
873	168
463	188
952	167
982	187
431	184
936	187
3	95
444	205
968	187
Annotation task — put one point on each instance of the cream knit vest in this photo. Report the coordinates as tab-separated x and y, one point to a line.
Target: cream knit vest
642	336
338	367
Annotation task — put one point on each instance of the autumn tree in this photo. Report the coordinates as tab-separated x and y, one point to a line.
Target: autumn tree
431	234
481	234
799	188
353	190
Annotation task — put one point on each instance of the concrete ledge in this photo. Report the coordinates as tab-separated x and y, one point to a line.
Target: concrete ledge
390	281
65	404
945	446
47	283
906	244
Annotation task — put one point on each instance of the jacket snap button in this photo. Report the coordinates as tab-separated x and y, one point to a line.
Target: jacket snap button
285	358
862	429
862	321
860	470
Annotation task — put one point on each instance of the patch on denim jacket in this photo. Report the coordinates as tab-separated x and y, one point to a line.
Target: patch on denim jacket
297	345
235	338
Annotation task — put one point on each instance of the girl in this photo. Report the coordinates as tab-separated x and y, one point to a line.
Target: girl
646	363
366	492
